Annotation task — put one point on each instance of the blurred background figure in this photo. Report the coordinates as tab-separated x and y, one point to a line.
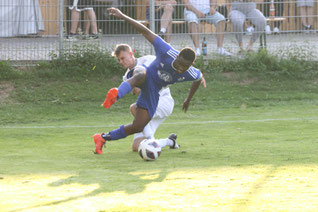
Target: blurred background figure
196	11
90	24
279	12
240	11
305	8
249	28
163	11
20	18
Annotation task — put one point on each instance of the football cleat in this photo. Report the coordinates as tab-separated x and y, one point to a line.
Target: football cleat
111	98
99	143
173	137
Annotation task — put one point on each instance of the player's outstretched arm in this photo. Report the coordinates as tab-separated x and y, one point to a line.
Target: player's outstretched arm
147	33
194	88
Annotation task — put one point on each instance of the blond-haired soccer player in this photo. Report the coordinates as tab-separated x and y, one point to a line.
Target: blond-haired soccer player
169	67
126	59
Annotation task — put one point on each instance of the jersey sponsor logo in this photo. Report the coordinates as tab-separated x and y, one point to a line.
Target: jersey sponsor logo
165	76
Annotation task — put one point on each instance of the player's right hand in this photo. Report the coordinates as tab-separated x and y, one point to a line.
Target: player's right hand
115	12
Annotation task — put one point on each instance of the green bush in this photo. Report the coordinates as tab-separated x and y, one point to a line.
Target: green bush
262	63
85	60
89	60
7	72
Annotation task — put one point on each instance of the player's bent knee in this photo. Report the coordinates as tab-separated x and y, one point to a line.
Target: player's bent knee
135	147
133	109
138	128
139	77
136	143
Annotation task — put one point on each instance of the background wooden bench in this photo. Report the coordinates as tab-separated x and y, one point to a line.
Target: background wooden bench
290	20
141	17
50	13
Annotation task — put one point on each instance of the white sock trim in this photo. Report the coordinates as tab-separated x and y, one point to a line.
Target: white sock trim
165	142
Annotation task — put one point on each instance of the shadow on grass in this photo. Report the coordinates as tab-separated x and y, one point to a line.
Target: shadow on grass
103	187
120	170
240	204
110	177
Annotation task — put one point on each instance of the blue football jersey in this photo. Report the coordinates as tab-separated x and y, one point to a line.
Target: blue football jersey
162	69
161	73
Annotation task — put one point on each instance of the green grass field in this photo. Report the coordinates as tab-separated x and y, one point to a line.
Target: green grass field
248	143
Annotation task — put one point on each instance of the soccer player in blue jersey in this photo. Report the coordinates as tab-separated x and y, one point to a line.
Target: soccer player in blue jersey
169	67
126	59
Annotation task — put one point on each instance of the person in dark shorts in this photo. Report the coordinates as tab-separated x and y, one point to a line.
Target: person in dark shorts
90	25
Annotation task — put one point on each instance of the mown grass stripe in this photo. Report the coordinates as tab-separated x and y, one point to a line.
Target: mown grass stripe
167	123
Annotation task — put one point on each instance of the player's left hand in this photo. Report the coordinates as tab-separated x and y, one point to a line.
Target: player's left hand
136	91
186	104
203	82
115	12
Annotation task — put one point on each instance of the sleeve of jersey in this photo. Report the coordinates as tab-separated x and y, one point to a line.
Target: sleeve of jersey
127	75
160	46
193	74
146	60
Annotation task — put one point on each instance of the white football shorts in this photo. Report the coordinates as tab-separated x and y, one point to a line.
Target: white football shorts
164	109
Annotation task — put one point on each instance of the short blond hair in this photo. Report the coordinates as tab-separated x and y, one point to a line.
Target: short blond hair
121	47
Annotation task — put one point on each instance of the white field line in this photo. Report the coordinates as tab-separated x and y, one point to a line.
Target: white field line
166	123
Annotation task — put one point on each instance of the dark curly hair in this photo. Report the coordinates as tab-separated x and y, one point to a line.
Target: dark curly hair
188	54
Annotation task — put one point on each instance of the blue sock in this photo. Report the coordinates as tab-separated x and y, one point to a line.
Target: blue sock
123	89
118	133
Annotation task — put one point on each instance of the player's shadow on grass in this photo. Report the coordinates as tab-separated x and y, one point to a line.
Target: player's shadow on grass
119	170
134	181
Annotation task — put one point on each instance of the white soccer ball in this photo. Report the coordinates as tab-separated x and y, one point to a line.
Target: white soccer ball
149	149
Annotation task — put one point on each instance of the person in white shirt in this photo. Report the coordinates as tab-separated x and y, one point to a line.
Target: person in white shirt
204	10
126	59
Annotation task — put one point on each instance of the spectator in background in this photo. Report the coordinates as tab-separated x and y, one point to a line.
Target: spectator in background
163	12
249	28
279	11
306	12
240	11
90	26
204	10
20	18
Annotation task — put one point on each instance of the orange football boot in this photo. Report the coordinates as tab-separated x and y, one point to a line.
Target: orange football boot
99	143
111	98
